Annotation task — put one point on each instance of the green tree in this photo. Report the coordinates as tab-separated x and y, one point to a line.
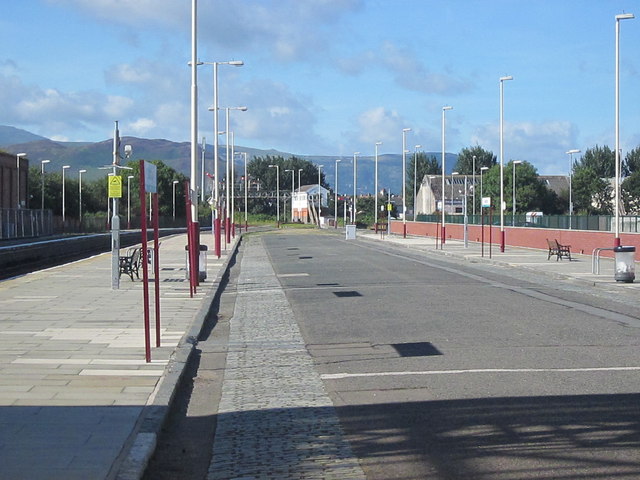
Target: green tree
266	177
599	159
484	158
631	163
531	193
425	165
630	193
591	193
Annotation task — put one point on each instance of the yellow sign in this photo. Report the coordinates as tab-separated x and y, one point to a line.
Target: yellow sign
389	207
115	186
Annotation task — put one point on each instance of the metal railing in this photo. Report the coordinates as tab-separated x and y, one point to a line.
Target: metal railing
22	223
602	223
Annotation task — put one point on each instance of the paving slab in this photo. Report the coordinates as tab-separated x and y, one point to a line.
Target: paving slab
76	394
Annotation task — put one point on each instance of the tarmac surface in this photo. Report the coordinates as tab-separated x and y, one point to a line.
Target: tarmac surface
77	398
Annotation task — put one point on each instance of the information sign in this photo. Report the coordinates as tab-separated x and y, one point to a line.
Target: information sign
115	186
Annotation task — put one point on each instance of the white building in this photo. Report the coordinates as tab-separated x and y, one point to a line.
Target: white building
304	203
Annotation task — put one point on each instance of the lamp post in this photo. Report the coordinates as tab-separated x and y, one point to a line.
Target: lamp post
246	192
377	144
174	183
319	193
335	202
18	157
502	80
80	172
624	16
277	167
227	227
64	167
292	189
355	183
404	181
42	164
473	182
216	192
513	202
443	229
129	177
570	153
415	179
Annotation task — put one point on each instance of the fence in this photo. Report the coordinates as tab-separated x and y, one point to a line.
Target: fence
22	222
601	223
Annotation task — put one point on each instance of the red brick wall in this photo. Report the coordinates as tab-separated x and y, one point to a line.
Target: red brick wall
581	241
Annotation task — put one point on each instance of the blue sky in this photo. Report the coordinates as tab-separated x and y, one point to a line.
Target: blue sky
328	77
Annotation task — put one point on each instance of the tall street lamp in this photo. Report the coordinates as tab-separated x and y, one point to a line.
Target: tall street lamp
473	182
277	167
355	183
502	206
18	157
404	181
216	193
319	193
64	167
570	153
377	144
292	188
246	192
173	185
452	202
335	202
42	164
513	202
443	229
80	172
624	16
415	179
129	177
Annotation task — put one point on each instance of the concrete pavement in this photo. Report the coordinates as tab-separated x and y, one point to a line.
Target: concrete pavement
578	270
77	398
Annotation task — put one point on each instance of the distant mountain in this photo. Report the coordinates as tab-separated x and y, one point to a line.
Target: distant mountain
177	155
12	135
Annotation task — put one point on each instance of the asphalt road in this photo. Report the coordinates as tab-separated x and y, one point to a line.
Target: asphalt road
440	369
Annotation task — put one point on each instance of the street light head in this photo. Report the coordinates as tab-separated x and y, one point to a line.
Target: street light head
242	109
64	167
82	171
448	107
378	143
236	63
406	129
176	181
273	166
508	77
517	162
45	161
482	169
575	150
130	176
21	155
418	146
338	160
455	173
625	16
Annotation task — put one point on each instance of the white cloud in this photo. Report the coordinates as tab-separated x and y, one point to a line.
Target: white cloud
542	144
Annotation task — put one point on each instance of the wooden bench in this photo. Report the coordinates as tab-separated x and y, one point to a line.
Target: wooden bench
558	250
130	263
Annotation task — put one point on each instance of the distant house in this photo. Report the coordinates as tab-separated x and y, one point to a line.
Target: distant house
305	200
429	197
10	197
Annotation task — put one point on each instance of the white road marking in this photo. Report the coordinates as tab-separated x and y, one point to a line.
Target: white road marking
338	376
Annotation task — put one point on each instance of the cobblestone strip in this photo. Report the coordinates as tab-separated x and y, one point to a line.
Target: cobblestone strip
275	419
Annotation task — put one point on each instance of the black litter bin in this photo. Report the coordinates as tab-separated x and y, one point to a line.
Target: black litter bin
625	267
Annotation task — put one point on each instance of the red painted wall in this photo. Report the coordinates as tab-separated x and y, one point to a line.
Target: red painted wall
581	241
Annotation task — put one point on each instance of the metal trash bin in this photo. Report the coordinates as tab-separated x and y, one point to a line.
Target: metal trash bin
202	262
625	268
350	232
